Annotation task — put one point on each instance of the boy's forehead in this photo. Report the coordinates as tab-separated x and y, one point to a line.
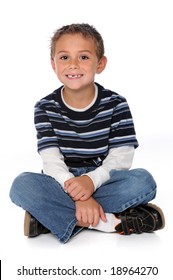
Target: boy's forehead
75	40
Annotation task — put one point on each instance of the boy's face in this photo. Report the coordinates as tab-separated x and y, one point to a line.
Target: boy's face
75	61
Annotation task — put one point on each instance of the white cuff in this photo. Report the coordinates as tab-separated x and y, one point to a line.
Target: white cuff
54	165
118	159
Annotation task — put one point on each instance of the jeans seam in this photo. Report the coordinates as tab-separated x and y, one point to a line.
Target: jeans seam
138	199
69	231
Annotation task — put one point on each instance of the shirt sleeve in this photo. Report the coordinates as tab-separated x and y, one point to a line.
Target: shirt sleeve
54	165
118	159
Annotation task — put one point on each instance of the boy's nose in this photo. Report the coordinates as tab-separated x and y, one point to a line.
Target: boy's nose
73	64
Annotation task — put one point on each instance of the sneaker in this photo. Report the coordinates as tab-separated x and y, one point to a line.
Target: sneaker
32	227
143	218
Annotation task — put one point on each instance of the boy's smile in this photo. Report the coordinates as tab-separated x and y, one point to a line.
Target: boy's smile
74	76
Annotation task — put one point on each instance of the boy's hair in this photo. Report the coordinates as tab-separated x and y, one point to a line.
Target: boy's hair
88	31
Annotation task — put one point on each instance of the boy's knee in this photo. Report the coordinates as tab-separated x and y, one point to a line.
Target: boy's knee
145	178
19	184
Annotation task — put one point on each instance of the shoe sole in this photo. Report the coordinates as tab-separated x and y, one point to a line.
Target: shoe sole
160	212
27	220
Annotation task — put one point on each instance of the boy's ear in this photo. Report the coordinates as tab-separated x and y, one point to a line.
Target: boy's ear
101	64
53	64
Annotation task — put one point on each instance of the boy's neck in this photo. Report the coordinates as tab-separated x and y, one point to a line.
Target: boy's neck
79	99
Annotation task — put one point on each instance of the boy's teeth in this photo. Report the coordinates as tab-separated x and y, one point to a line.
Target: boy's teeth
74	76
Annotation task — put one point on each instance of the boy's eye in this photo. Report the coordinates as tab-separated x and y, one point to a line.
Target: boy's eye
64	57
84	57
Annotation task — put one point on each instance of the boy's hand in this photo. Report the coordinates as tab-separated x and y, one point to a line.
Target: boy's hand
89	212
79	188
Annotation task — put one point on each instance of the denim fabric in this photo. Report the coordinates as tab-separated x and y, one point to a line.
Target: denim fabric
46	200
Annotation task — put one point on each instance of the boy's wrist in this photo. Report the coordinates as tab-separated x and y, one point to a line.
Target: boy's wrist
98	177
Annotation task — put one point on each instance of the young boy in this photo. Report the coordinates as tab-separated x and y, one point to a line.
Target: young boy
86	139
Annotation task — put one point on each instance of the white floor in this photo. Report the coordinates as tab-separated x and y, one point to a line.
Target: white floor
89	249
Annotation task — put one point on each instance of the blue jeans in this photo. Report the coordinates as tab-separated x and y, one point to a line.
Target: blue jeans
46	200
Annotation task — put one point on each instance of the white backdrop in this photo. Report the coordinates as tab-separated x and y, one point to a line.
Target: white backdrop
138	43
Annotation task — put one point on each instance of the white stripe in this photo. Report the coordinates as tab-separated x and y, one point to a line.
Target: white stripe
92	133
84	150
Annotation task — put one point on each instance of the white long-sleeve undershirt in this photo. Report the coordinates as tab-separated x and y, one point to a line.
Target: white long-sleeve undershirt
118	159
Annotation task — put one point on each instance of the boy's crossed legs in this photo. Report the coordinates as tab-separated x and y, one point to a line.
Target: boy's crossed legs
124	199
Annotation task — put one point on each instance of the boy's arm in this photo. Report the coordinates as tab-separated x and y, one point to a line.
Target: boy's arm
118	159
81	188
54	165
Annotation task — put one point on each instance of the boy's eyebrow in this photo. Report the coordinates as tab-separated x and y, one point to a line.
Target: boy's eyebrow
64	51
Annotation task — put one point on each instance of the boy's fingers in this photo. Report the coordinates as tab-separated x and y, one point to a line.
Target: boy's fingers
102	215
72	188
78	216
75	194
77	197
84	197
96	220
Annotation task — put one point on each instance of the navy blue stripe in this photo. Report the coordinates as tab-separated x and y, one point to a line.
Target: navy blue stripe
108	123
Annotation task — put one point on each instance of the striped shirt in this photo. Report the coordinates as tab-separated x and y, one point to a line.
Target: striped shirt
84	137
